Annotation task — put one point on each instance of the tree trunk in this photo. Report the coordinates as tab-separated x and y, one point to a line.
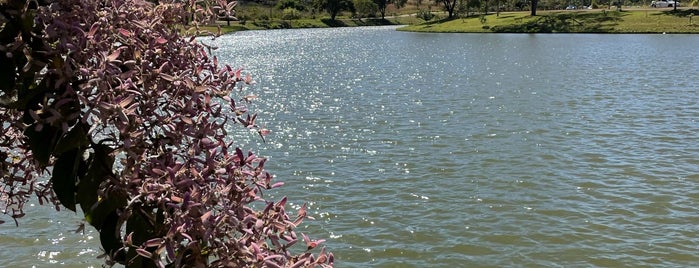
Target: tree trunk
534	3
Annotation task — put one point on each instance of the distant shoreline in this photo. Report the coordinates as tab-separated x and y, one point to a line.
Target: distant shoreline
628	20
632	20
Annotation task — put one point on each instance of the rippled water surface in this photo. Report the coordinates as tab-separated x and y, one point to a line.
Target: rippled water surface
467	150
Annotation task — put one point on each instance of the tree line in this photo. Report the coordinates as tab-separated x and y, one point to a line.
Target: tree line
294	9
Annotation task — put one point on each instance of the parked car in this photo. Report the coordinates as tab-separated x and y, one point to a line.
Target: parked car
664	3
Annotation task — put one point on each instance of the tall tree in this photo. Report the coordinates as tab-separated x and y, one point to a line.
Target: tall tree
383	4
365	8
449	6
128	119
534	3
334	7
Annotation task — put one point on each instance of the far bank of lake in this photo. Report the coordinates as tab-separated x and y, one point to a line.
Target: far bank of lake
570	21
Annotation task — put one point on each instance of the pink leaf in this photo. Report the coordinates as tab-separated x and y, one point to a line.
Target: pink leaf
206	216
93	30
125	33
167	77
160	41
153	242
248	79
282	202
114	55
144	253
322	257
170	251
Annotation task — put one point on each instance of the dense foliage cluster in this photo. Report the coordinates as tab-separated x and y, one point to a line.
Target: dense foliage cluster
106	106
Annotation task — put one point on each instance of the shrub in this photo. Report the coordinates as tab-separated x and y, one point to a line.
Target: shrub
294	4
365	8
425	15
290	14
127	118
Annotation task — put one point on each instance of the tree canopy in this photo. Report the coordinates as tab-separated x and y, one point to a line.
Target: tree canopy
449	7
334	7
105	106
382	4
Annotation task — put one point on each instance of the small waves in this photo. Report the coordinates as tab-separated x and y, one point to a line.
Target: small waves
469	150
486	150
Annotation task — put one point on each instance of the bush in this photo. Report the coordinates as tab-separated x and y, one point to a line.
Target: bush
290	14
294	4
106	108
365	8
425	15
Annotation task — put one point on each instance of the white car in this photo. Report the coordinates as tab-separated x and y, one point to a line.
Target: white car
664	3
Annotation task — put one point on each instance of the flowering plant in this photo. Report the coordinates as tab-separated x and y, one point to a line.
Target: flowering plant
127	117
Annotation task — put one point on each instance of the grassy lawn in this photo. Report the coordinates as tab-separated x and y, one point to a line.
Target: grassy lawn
576	21
309	23
581	21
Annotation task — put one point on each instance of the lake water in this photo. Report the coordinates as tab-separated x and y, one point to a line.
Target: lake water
464	150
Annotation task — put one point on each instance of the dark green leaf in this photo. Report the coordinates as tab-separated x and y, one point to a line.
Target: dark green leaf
42	142
32	92
141	224
88	188
142	229
97	215
65	176
109	234
100	168
75	138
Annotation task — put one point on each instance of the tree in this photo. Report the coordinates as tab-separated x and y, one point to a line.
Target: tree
533	7
127	118
473	4
382	4
449	6
295	4
334	7
365	8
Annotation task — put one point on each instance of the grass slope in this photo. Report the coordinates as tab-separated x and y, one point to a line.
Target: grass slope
309	23
583	21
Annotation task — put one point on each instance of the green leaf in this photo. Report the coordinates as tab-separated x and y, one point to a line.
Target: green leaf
141	224
42	142
109	234
75	138
65	176
95	209
31	92
98	215
143	229
88	188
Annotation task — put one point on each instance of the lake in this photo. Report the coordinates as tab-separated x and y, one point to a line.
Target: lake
463	150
